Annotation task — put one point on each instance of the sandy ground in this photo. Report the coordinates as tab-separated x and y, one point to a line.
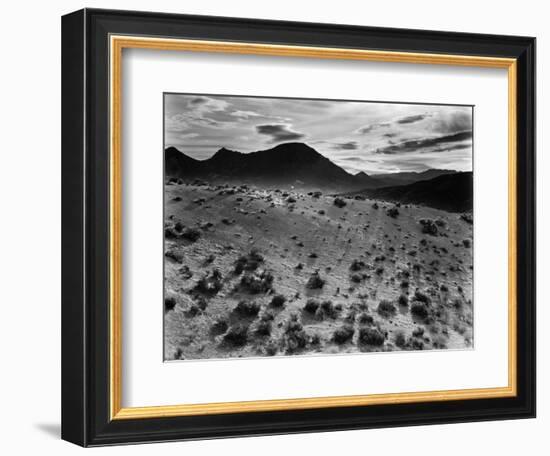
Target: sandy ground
362	256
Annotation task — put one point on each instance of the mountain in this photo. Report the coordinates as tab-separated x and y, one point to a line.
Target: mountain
404	178
175	161
364	180
450	192
288	164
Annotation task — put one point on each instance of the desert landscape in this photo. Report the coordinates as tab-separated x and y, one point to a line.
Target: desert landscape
282	252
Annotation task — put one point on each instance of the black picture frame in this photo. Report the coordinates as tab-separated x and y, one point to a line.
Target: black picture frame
85	228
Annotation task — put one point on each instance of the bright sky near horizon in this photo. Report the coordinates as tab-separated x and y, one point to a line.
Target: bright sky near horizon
359	136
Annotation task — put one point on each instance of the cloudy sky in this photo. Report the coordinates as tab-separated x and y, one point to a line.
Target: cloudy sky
358	136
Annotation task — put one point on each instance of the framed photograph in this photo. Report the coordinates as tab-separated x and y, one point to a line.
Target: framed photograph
277	227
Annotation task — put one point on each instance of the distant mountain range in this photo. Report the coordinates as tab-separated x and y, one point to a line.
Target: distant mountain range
450	192
404	178
289	164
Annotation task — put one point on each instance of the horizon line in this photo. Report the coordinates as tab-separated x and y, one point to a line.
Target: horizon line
335	164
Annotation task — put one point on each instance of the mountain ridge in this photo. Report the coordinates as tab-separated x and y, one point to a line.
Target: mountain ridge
291	164
450	192
409	177
285	164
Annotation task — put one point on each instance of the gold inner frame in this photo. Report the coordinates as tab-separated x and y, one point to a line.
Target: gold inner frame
117	44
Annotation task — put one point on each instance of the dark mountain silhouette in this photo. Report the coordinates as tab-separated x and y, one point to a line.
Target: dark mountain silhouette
175	161
450	192
404	178
286	164
366	181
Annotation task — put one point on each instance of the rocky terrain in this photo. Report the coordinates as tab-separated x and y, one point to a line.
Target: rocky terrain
265	270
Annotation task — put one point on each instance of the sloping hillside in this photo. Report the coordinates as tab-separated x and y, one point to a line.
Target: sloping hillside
255	272
450	192
405	178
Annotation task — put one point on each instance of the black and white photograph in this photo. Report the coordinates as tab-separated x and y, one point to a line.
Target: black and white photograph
315	227
279	221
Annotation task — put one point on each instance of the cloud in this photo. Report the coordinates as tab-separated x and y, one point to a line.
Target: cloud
415	145
198	100
245	114
349	145
370	128
200	145
419	164
176	123
208	104
318	104
356	159
453	122
188	135
453	147
279	132
203	123
411	119
199	111
401	121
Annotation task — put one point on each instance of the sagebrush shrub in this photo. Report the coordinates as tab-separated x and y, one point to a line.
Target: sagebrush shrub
295	338
315	281
419	296
249	262
371	336
339	202
257	282
210	283
247	309
403	300
392	212
386	308
311	306
278	301
263	328
429	227
400	339
219	327
420	310
237	335
191	234
357	265
365	319
169	303
343	334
